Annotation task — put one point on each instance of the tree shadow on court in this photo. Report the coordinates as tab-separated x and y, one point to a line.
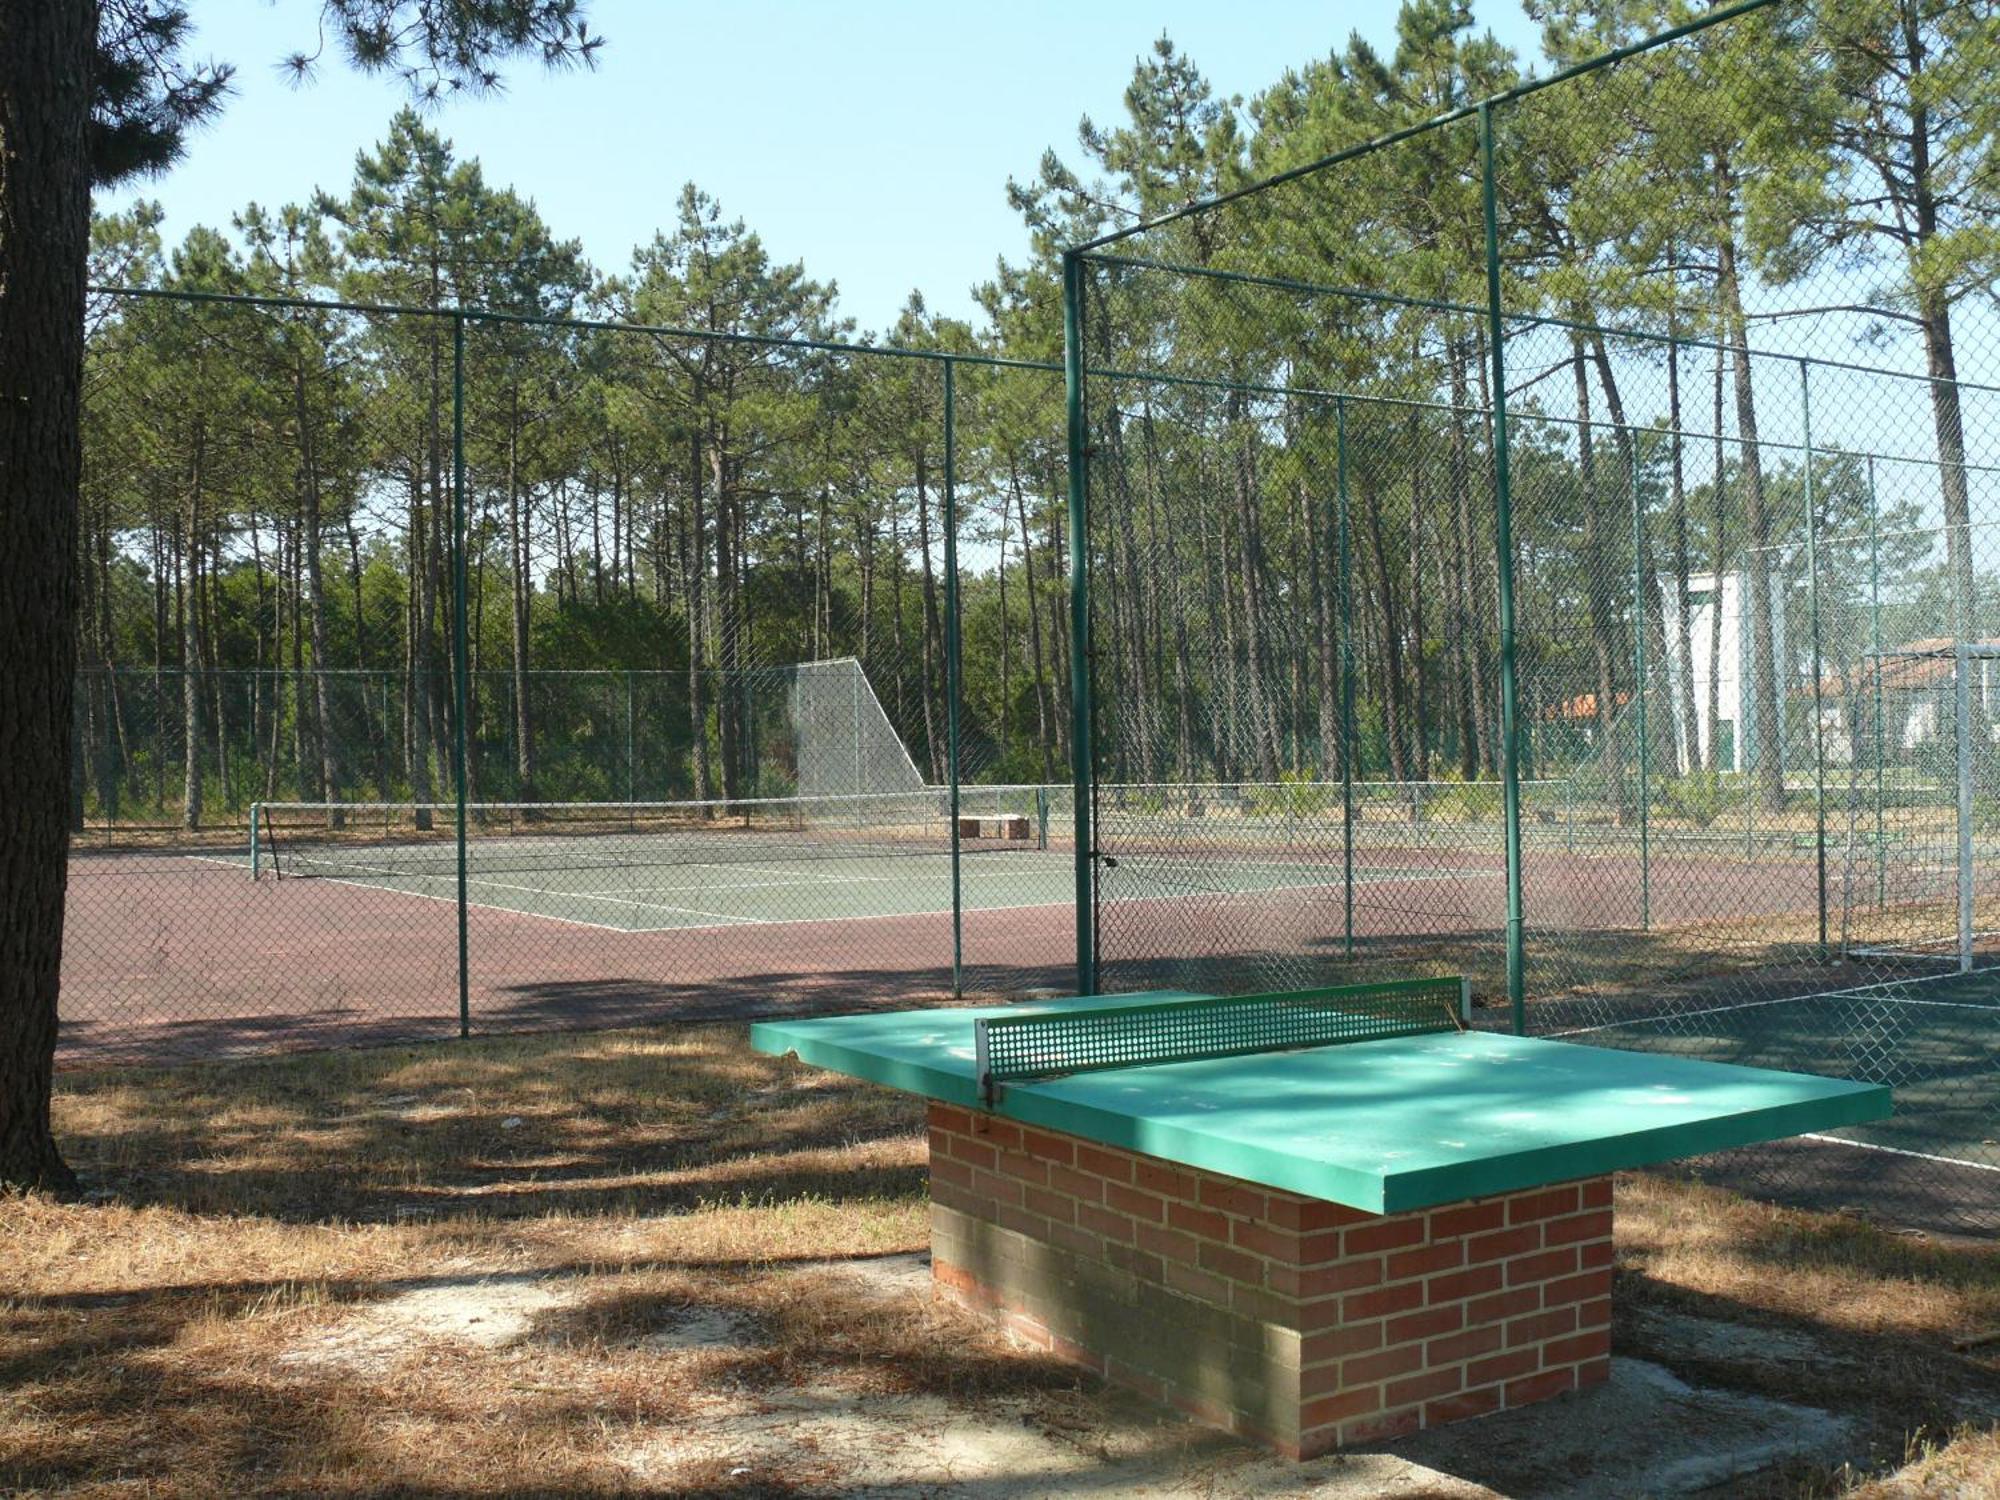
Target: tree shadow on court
570	1004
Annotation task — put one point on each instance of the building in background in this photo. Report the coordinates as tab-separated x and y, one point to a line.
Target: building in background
1724	673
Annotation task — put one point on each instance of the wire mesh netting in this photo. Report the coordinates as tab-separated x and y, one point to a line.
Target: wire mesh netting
416	840
1550	540
1524	541
680	613
1042	1044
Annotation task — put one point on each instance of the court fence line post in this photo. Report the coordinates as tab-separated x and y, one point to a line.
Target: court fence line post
1875	647
1818	656
1503	542
631	737
1962	654
954	676
1639	686
1083	769
1347	737
460	680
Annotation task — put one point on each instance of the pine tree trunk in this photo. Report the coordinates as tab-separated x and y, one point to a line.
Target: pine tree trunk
1044	710
1393	695
694	571
1767	701
520	586
1688	728
1597	596
45	67
1948	424
1262	714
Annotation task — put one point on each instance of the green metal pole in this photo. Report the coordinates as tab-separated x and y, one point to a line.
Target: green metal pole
1875	645
1818	658
1503	541
1639	690
1346	674
952	671
461	683
1081	759
631	737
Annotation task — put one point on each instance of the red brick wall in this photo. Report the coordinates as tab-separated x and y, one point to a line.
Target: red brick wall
1297	1321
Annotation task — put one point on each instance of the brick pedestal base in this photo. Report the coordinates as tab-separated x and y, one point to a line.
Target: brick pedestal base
1297	1322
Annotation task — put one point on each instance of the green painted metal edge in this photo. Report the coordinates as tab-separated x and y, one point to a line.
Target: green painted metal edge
1083	765
953	673
1836	1103
808	1041
1503	546
943	1084
1819	658
461	683
1844	1103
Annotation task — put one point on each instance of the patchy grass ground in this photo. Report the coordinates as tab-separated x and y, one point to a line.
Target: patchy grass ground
654	1261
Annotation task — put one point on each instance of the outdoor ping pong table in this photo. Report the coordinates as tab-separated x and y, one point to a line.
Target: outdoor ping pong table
1315	1219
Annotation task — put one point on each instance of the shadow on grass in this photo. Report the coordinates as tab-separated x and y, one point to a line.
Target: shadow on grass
632	1124
576	1405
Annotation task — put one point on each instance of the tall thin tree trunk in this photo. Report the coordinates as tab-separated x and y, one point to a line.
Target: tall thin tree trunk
1767	745
46	70
1597	596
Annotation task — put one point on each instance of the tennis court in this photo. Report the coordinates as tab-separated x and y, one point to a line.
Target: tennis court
609	914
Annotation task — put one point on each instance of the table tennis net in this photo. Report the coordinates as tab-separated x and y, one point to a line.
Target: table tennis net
1025	1047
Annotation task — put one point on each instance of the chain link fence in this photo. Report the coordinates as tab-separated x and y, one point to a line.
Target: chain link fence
1553	539
1549	539
453	671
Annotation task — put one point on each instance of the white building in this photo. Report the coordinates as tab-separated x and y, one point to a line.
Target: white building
1726	660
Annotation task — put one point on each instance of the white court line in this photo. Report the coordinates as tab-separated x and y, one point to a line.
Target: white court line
568	895
1821	996
722	922
820	885
768	869
452	899
715	918
1949	1161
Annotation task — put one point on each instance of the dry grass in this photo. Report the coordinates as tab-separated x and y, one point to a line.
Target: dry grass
1901	1331
270	1290
512	1266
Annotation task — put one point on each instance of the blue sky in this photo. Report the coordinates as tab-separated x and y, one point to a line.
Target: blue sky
872	139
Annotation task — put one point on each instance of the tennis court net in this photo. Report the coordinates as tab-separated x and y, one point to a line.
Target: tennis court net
376	841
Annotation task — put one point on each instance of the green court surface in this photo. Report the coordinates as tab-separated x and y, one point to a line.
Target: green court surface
1385	1125
1936	1041
637	893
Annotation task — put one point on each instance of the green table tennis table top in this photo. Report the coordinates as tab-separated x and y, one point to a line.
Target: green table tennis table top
1384	1126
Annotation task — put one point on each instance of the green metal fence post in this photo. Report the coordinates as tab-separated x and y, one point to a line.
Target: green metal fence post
1639	688
1347	737
1818	657
460	680
631	738
1875	646
952	670
1503	541
1083	769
